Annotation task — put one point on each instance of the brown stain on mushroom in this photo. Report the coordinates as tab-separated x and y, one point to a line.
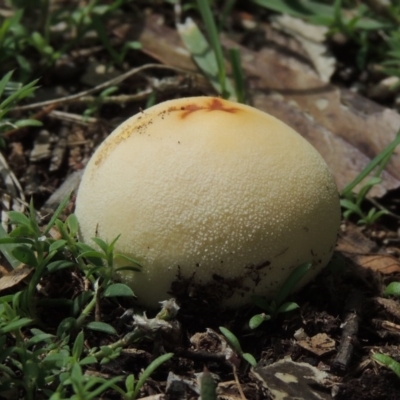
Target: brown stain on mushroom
124	134
214	104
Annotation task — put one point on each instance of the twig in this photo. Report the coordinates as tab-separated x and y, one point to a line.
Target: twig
38	116
70	117
111	82
350	326
387	325
119	99
381	207
242	396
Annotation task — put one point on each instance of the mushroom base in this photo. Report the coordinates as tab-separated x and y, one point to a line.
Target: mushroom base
219	291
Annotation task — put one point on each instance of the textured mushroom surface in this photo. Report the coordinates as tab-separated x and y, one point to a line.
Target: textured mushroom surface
212	191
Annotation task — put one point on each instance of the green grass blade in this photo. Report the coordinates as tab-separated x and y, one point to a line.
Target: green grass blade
203	55
57	213
238	76
7	249
296	8
213	37
19	94
291	282
3	82
388	362
380	160
149	370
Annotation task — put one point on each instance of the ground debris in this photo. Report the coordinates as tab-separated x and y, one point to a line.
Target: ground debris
286	379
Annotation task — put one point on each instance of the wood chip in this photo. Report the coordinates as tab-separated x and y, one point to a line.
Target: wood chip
287	380
319	344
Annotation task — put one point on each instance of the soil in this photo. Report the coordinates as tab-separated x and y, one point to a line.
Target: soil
345	303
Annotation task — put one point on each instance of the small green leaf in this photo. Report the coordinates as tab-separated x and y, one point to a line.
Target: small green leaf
232	340
66	326
101	327
393	289
92	254
250	359
27	122
25	255
286	307
106	350
72	224
76	373
56	359
83	246
15	240
349	205
388	362
18	218
118	289
208	386
134	45
88	360
101	243
258	319
130	383
15	325
38	338
58	244
5	353
59	265
78	346
31	370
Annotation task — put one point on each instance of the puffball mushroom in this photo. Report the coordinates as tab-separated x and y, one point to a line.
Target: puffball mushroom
214	192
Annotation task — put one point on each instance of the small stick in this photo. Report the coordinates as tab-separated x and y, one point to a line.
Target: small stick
38	116
350	330
242	396
98	88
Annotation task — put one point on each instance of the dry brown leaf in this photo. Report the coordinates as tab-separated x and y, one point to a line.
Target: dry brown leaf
313	40
287	379
382	263
14	277
3	270
354	245
319	344
348	130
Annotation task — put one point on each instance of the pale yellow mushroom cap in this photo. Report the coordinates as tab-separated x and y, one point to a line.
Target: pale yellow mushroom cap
214	191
